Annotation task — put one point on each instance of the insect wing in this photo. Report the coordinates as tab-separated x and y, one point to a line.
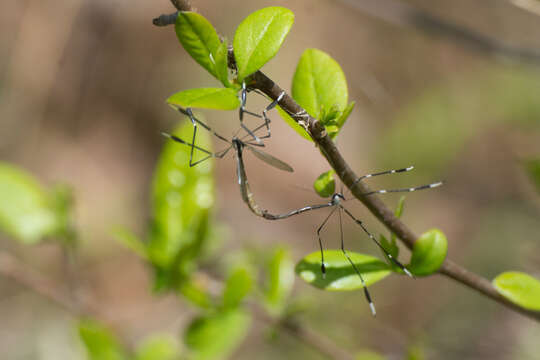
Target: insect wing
270	160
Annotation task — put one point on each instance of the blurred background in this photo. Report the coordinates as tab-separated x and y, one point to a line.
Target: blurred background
450	87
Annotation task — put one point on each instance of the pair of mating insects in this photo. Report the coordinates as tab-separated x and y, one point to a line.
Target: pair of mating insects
238	144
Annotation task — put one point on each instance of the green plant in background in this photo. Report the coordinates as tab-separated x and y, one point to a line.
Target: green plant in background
183	232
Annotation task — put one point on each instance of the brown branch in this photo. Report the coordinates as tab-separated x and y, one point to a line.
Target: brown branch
373	203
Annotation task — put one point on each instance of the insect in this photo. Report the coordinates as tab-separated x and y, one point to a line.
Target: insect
242	110
238	145
335	202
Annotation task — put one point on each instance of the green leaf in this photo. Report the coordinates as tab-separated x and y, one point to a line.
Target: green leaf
296	127
428	254
182	197
237	286
259	37
340	275
325	185
216	336
532	166
399	209
206	98
280	280
130	241
319	86
99	342
341	121
27	212
390	246
199	38
158	347
196	294
519	288
222	69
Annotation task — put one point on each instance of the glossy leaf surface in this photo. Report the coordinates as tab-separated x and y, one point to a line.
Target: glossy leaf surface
428	253
520	288
206	98
340	275
259	37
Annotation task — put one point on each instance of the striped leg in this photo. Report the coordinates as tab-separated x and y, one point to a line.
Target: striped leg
323	267
366	292
209	154
411	189
242	110
388	255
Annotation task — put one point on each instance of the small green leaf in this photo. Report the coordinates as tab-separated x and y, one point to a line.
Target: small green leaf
206	98
158	347
341	121
216	336
340	275
27	211
428	253
319	85
390	246
532	167
520	288
325	185
296	127
182	197
237	286
399	209
199	38
130	241
222	69
99	342
280	280
259	37
196	294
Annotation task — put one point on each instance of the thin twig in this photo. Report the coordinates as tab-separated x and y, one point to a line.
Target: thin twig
373	203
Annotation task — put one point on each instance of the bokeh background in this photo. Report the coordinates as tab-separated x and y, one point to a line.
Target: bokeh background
450	87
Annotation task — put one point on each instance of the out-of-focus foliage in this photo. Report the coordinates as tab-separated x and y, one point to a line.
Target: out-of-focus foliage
158	347
532	167
259	37
368	355
280	280
237	286
435	125
216	336
28	212
206	98
391	245
325	185
340	274
520	288
429	252
100	343
182	197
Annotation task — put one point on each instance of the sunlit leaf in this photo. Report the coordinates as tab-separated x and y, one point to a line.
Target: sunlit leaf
428	254
130	241
222	69
319	86
259	37
206	98
340	275
325	185
27	212
182	197
199	38
237	286
532	167
100	343
520	288
196	293
280	280
217	335
341	120
296	127
162	347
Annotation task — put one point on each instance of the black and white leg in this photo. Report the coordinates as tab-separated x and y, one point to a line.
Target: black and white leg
364	285
411	189
242	110
265	114
388	255
209	154
323	267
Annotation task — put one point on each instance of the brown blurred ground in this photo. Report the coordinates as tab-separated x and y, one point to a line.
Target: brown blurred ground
82	89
